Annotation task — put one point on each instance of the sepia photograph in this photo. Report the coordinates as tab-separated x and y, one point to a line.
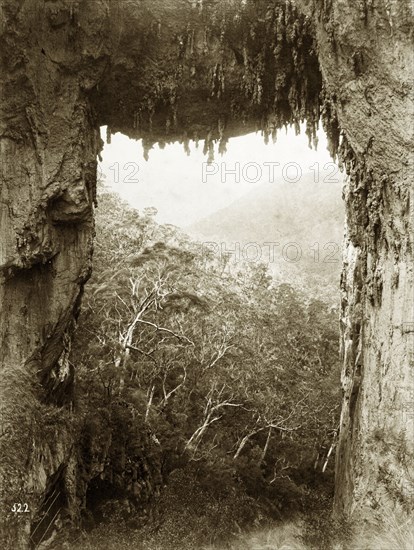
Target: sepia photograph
207	275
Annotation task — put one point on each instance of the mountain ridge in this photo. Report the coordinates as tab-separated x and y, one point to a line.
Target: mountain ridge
300	242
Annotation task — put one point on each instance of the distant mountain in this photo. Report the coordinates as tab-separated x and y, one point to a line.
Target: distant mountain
297	228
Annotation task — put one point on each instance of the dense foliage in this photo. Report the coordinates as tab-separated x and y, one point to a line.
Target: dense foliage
191	369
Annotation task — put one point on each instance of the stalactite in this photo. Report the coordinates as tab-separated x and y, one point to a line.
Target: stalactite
272	73
209	148
210	157
330	122
186	143
223	146
222	138
147	145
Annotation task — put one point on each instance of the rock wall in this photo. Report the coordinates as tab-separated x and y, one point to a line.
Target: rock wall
49	145
174	70
365	51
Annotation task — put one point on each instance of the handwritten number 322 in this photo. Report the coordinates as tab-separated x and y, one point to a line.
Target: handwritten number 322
20	508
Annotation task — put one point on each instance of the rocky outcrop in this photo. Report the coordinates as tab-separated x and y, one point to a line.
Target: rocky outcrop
49	143
365	50
177	70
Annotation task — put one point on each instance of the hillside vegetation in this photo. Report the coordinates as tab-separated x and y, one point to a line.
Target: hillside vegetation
295	228
208	397
207	402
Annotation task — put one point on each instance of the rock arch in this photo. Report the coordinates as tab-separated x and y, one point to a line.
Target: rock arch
176	70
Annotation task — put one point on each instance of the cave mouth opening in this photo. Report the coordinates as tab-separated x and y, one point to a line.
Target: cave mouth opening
100	491
195	185
288	50
264	219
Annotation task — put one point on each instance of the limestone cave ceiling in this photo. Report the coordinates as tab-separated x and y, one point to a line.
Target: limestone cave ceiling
165	71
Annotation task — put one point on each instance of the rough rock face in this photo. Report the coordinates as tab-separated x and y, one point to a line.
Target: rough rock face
366	60
49	142
176	70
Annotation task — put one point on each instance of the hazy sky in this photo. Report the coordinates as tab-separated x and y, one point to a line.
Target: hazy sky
185	189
